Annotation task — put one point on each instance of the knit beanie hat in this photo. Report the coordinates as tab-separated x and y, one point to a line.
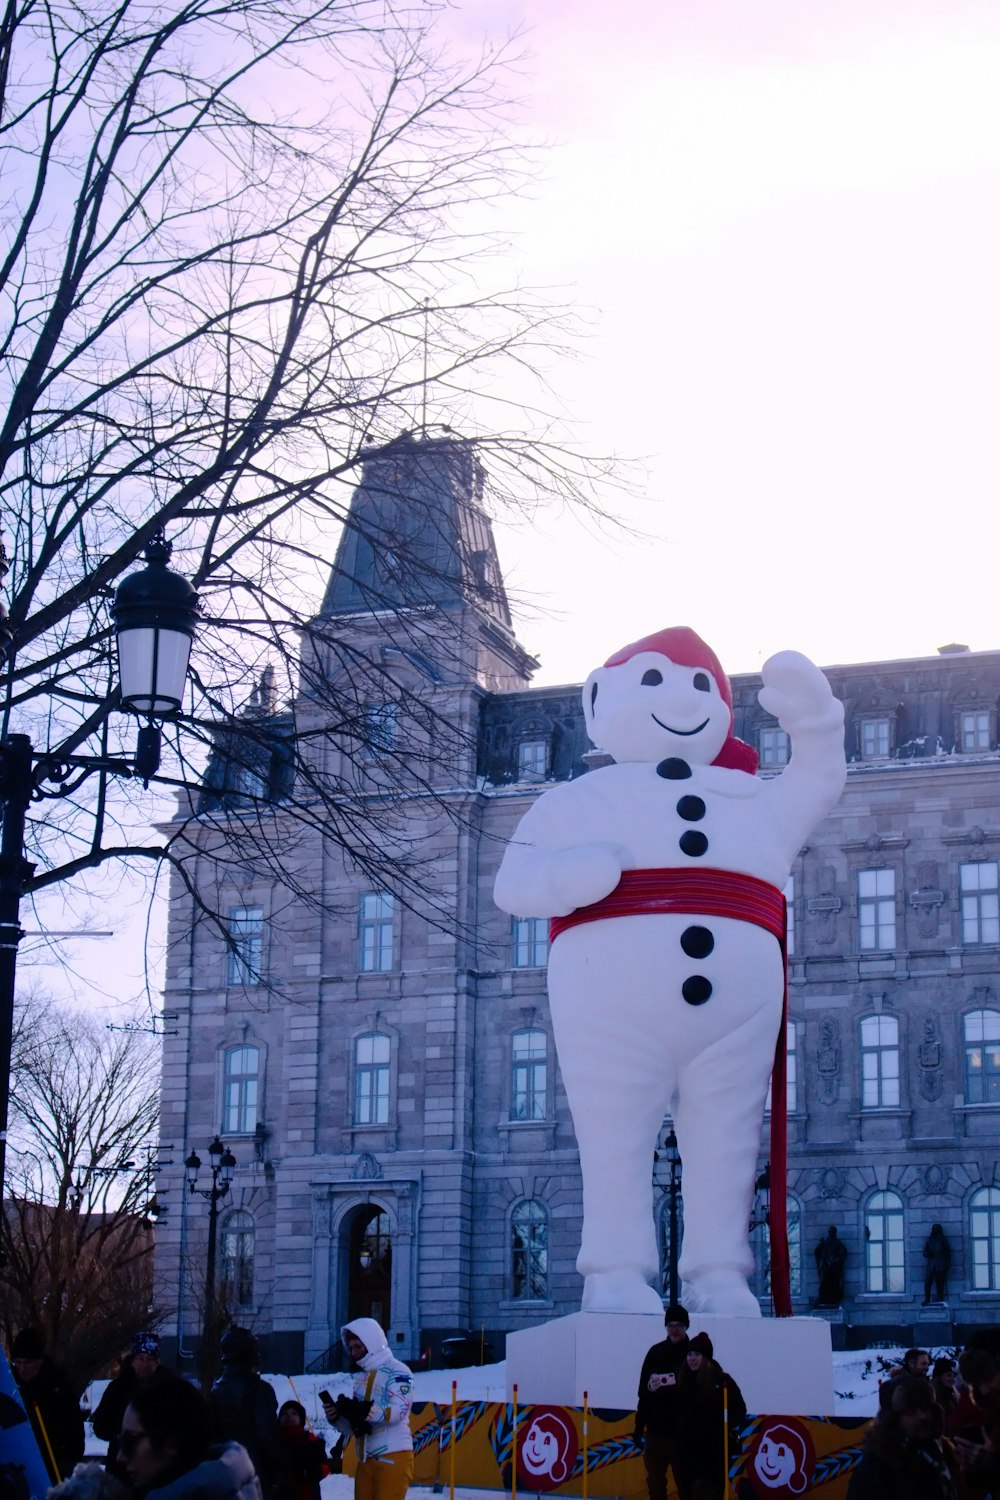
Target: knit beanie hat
675	1313
701	1344
145	1343
28	1344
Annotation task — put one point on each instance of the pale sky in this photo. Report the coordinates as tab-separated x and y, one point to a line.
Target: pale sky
782	221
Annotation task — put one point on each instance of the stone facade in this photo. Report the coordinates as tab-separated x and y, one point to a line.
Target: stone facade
388	1084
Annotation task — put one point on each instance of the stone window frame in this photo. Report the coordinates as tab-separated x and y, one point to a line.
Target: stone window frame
529	937
530	1251
376	1067
376	925
760	1243
866	725
974	897
773	747
877	1206
244	1263
991	1260
965	711
245	958
534	755
968	1043
531	1029
880	1049
242	1130
876	902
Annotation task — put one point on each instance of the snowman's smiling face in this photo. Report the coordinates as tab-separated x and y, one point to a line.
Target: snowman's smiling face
649	708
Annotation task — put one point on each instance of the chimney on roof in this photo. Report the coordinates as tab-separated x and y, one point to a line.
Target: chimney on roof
955	649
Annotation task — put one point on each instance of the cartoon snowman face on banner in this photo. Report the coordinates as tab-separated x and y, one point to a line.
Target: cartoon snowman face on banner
783	1461
546	1449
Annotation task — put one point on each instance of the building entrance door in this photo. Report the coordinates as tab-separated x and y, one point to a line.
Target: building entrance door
369	1281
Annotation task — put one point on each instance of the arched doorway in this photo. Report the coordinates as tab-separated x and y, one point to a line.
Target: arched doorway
369	1277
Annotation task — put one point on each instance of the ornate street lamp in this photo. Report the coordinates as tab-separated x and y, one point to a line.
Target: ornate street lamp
222	1165
155	613
673	1159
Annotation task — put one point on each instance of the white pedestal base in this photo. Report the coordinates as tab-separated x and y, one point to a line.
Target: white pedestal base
783	1366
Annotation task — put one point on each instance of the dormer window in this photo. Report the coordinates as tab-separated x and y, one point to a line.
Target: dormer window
975	730
875	737
773	749
380	730
532	760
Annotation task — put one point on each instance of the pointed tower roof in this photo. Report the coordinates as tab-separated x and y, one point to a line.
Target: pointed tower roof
417	534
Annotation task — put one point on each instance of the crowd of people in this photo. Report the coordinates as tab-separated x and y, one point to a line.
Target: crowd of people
936	1435
168	1441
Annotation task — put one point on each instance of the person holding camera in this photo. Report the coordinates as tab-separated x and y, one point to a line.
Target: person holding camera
377	1414
656	1409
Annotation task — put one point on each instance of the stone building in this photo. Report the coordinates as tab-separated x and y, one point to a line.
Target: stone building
387	1082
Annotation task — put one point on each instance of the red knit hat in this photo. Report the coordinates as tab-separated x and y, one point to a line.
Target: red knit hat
685	647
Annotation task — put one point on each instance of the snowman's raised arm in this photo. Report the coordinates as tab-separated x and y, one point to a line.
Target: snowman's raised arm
549	869
800	698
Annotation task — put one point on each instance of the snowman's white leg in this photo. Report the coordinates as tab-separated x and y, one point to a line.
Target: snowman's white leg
619	1089
717	1116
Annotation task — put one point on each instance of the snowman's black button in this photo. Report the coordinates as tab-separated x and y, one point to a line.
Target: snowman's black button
674	769
693	843
696	989
691	809
697	942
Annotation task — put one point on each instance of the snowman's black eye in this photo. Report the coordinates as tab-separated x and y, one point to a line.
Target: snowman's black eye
701	682
652	678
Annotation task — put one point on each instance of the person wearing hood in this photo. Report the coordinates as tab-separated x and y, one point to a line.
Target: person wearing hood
377	1414
166	1450
244	1408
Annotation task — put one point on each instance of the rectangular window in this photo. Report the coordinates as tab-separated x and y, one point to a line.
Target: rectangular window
790	915
791	1074
876	738
531	942
532	760
240	1090
380	730
877	910
376	932
879	1062
529	1051
975	730
245	956
980	902
371	1079
773	748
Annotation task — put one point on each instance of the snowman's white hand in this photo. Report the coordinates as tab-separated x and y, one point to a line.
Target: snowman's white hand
797	694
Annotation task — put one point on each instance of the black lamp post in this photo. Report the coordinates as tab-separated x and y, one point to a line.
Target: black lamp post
156	612
673	1158
222	1164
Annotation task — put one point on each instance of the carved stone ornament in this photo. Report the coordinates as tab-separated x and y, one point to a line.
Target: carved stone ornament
927	900
366	1168
935	1179
830	1183
828	1061
823	908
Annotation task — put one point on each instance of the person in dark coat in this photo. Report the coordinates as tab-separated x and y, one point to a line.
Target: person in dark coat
141	1367
656	1407
165	1447
305	1453
706	1399
51	1403
244	1408
904	1455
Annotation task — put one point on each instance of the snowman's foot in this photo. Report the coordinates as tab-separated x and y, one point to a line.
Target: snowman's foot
723	1292
620	1292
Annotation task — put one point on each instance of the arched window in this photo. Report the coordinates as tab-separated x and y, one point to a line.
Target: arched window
236	1259
885	1244
879	1062
760	1241
240	1090
528	1075
982	1057
372	1053
984	1237
529	1252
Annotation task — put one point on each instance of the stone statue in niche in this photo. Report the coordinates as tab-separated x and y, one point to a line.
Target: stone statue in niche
831	1258
937	1254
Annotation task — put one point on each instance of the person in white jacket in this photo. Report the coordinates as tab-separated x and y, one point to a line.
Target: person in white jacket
378	1414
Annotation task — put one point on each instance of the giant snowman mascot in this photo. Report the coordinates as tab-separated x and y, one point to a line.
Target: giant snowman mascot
663	877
